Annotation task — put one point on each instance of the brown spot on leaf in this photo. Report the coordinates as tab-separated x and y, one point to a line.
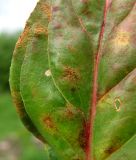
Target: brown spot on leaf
48	122
71	74
40	30
111	150
69	111
84	135
82	139
72	111
23	36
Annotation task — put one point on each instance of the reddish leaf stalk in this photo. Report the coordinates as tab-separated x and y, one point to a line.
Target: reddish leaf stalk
92	113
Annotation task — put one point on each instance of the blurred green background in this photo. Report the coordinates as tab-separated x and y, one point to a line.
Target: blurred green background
16	143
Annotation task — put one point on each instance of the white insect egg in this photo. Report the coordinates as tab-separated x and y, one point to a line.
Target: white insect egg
48	73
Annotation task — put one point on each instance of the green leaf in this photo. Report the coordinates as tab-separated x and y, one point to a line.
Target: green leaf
126	152
76	76
17	60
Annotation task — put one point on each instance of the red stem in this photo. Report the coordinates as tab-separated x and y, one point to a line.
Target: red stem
93	103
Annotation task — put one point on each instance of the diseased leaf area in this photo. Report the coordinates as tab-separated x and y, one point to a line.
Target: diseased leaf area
73	78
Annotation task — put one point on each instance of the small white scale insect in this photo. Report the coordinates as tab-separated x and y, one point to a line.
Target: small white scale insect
48	73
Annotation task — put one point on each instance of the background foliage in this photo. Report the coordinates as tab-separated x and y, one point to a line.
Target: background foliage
7	43
16	143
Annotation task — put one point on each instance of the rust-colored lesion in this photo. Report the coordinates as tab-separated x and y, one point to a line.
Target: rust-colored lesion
71	74
69	112
40	30
49	124
23	36
46	8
